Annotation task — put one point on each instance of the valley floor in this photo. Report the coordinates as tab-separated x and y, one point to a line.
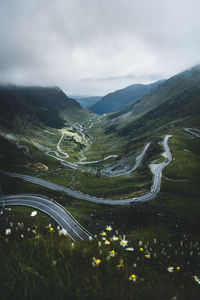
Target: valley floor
79	158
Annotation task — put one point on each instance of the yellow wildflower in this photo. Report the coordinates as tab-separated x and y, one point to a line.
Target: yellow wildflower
115	238
123	243
197	279
133	277
8	231
120	266
107	242
103	233
170	269
108	228
112	253
96	261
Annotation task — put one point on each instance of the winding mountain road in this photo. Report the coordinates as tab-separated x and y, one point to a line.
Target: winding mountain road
24	148
153	192
60	155
54	210
138	161
193	131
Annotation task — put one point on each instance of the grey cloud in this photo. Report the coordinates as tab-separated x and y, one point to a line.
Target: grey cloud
82	45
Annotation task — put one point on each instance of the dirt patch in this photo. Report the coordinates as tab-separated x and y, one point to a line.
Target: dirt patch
37	166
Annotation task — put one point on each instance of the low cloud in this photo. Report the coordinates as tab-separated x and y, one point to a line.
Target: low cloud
92	46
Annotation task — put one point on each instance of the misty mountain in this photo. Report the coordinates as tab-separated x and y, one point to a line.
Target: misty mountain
118	99
35	105
86	102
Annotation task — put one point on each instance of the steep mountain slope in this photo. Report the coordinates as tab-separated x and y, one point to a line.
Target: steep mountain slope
116	100
175	100
27	105
87	101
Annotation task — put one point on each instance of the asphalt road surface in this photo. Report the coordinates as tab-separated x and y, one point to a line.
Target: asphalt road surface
54	210
193	131
77	194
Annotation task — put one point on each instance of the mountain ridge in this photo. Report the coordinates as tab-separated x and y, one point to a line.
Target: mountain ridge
39	104
176	98
116	100
86	102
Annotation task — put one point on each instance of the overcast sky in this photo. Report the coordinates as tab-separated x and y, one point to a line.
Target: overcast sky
92	47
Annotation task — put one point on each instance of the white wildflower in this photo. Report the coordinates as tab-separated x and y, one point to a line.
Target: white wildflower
197	279
95	262
123	243
129	249
170	269
8	231
108	228
62	232
34	213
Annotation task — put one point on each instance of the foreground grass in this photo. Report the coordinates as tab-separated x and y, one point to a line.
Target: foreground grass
37	262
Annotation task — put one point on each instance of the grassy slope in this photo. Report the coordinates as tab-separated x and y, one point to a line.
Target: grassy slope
116	100
32	105
175	87
177	203
173	103
182	196
44	265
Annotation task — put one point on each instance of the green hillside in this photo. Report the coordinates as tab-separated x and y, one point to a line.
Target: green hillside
175	101
120	98
33	105
162	235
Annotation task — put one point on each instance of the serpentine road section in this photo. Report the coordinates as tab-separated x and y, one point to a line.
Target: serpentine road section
54	210
60	155
155	188
139	159
193	131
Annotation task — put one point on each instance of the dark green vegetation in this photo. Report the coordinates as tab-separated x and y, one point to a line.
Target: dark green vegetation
116	100
180	187
37	263
87	101
174	102
32	105
51	266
